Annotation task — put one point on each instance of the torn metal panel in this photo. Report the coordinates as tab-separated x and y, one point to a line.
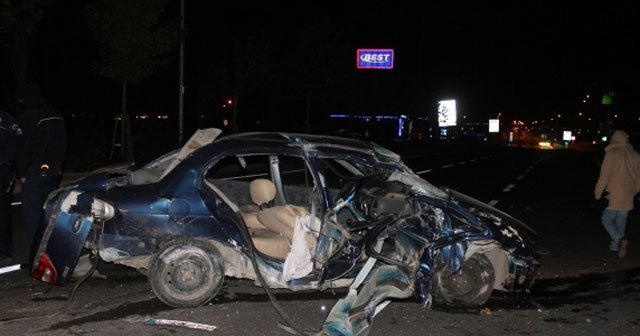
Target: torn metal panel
353	314
417	184
197	140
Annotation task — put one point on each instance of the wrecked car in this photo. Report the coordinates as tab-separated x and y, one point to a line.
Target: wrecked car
292	211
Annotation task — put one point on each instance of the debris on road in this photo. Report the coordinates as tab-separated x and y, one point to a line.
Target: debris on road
177	323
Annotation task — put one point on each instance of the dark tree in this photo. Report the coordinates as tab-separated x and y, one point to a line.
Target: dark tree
21	18
251	65
134	39
316	62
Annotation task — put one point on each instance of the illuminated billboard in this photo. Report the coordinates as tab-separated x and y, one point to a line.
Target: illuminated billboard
494	125
374	59
447	113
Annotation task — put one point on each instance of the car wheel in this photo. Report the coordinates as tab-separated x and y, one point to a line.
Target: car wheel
186	273
470	286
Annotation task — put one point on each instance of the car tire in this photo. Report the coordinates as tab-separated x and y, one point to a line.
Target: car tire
186	273
470	286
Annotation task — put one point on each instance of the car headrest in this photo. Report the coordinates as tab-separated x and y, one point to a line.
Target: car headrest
262	191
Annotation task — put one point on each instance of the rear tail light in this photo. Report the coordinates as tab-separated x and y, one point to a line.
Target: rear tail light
45	271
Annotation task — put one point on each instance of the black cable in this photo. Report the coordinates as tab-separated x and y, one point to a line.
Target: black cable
272	297
267	289
66	304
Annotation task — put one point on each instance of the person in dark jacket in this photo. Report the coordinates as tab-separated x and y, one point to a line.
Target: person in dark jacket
9	133
41	156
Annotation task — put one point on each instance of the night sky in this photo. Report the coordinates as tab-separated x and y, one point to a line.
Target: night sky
525	60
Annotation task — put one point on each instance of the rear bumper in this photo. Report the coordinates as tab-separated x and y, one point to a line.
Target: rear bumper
68	227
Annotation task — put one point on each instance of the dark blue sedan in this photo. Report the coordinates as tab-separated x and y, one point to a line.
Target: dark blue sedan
295	211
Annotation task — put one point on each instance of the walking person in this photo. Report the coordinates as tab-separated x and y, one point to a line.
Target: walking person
42	152
620	178
9	133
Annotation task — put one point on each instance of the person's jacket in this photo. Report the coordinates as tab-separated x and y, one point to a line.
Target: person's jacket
620	173
44	138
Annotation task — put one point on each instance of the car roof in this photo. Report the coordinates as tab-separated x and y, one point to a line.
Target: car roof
285	138
240	142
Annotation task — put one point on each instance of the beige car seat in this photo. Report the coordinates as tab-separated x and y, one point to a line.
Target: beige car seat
281	219
273	244
262	192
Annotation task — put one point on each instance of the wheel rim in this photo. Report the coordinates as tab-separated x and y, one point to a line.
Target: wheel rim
471	285
187	272
465	281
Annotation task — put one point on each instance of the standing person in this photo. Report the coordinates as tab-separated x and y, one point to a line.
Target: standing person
42	152
9	133
620	177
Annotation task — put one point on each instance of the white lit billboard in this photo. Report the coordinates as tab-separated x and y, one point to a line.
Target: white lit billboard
447	113
566	135
494	125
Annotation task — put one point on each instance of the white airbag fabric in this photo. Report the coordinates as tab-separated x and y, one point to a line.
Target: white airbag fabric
299	262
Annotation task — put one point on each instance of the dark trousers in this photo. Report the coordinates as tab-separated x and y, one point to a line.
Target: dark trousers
33	194
6	224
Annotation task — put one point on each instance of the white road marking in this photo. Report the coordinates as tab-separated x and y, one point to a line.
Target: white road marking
508	188
447	166
16	203
424	171
8	269
520	177
493	202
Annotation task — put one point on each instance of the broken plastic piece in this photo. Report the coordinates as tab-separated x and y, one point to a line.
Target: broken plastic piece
186	324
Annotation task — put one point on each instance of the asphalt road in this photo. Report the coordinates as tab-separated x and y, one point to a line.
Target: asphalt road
581	289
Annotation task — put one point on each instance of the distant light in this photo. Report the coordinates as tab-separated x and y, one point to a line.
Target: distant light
615	116
545	145
588	96
494	125
225	122
366	117
229	102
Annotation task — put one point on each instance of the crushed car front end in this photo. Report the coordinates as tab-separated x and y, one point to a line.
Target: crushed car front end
432	243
